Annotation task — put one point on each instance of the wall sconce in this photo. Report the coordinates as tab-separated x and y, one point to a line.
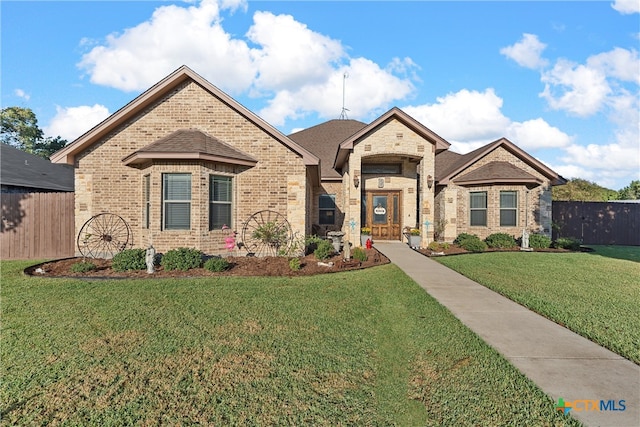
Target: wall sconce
356	181
429	181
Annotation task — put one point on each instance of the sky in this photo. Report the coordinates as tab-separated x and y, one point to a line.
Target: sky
559	79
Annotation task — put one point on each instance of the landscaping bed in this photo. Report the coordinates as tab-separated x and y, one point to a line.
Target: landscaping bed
239	266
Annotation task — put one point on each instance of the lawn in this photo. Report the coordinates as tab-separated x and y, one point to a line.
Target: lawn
359	348
596	295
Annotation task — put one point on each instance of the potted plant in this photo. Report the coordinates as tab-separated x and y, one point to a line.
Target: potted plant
365	234
414	238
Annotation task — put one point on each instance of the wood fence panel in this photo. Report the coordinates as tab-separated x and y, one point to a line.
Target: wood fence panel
598	223
37	225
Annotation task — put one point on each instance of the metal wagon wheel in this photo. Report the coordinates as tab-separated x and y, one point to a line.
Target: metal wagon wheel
103	236
266	233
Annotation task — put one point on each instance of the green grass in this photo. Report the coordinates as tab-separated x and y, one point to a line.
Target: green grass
631	253
596	296
359	348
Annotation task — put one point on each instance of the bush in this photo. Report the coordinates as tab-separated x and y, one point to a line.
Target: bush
539	241
464	236
324	250
181	259
130	259
216	264
567	243
311	244
473	244
359	254
294	264
83	267
434	246
501	240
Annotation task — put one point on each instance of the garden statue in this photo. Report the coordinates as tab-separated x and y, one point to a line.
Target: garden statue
525	241
150	259
347	250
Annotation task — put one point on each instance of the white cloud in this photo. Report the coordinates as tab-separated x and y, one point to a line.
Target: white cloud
526	52
578	89
142	55
626	7
291	55
535	134
22	94
71	122
621	64
464	116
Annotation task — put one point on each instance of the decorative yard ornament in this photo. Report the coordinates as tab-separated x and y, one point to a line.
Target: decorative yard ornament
369	244
230	239
525	241
347	251
427	223
150	258
103	236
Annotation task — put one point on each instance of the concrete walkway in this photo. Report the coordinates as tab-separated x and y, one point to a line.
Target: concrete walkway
562	363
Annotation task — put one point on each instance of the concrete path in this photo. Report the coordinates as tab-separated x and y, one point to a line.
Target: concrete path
562	363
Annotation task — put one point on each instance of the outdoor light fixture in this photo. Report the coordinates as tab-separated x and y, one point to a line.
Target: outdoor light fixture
429	181
356	181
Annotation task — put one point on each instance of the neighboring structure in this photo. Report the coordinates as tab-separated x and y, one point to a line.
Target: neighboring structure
22	172
183	159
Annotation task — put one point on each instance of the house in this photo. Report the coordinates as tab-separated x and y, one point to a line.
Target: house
184	159
22	172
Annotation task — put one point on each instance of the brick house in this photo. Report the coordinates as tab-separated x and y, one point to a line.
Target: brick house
183	159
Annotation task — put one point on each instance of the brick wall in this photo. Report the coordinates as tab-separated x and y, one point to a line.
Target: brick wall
103	184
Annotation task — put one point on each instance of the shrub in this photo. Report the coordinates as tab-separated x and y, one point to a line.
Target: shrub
181	259
324	250
83	267
445	246
500	240
216	264
130	259
567	243
294	264
359	254
473	244
464	236
311	244
434	246
539	241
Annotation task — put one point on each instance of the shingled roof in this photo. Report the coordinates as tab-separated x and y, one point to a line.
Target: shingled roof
498	172
32	173
324	139
188	144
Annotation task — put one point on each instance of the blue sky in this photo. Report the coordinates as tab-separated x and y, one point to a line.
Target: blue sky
560	79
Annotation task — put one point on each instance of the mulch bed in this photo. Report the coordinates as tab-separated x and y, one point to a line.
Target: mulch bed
240	266
456	250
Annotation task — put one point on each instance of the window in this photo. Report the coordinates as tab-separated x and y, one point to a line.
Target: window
478	208
382	168
146	200
508	208
327	204
220	201
176	201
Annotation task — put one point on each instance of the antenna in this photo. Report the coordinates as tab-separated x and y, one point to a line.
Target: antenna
343	114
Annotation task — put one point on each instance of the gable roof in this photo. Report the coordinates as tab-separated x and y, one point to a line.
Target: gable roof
155	93
451	166
395	113
498	172
187	144
324	140
20	169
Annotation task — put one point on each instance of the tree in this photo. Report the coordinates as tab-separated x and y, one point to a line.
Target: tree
584	191
630	192
19	128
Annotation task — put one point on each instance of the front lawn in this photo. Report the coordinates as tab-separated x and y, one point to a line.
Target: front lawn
596	296
360	348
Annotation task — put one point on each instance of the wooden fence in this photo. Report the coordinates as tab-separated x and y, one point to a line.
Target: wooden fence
598	223
37	225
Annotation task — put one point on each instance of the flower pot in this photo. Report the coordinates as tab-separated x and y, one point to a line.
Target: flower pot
414	241
363	239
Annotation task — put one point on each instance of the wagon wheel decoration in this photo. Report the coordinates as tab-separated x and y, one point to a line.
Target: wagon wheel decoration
266	233
103	236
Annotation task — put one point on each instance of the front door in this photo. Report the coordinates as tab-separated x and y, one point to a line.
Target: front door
383	214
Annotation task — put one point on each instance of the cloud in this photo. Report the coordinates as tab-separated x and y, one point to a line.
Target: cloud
621	64
71	122
464	116
626	7
536	134
140	56
526	52
577	89
22	94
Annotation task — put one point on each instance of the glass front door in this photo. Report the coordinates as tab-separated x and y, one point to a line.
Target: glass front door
383	214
